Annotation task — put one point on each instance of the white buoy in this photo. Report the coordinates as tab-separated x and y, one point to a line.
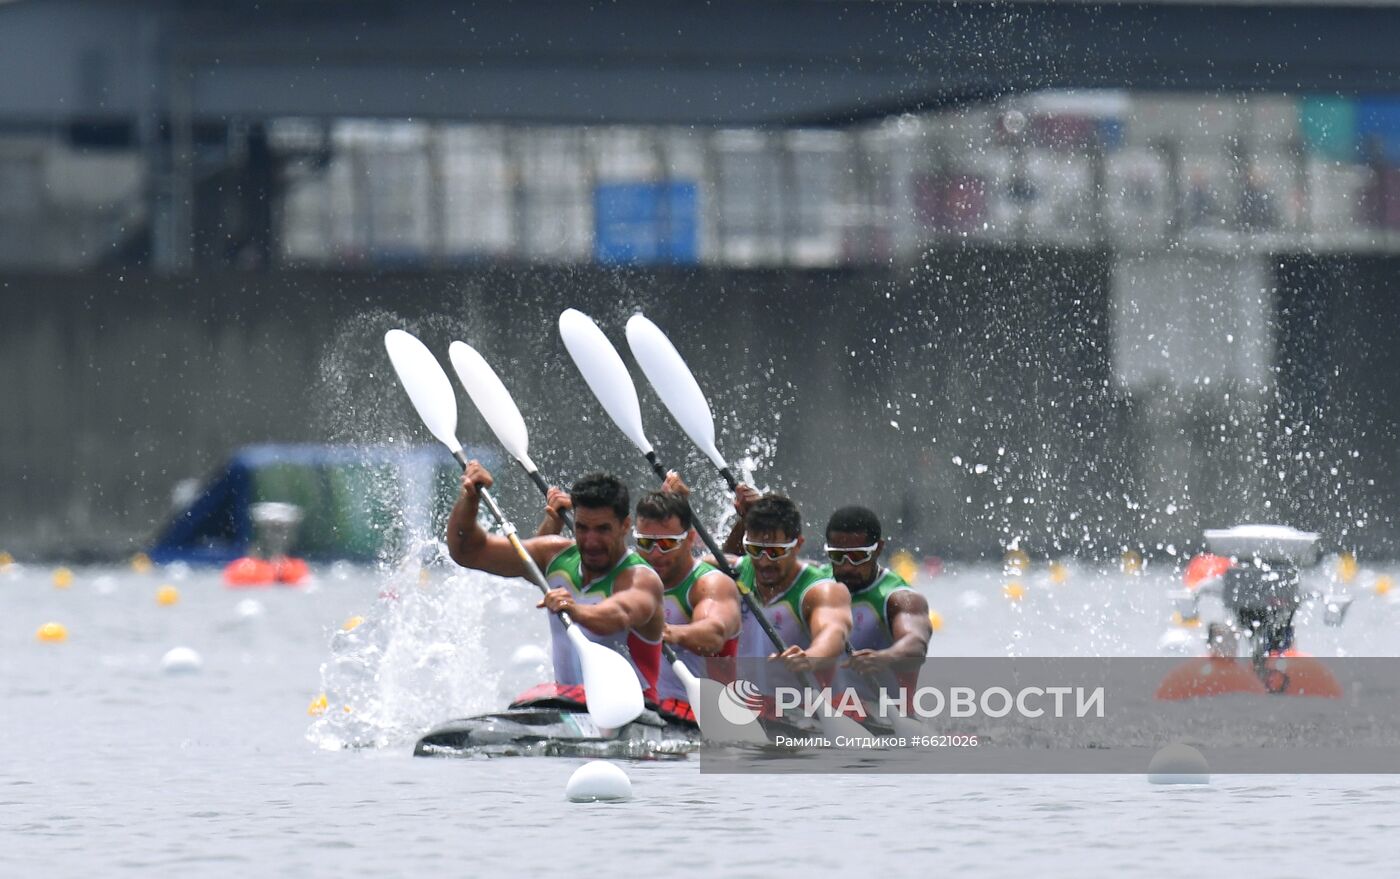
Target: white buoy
1179	642
181	660
598	781
249	609
528	656
1178	764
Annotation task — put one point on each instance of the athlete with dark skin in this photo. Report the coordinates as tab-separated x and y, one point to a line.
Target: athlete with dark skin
853	548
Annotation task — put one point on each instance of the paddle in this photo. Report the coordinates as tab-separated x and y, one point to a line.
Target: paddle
498	409
677	388
611	688
608	378
674	383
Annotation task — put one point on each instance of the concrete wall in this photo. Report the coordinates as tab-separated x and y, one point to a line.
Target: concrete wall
970	400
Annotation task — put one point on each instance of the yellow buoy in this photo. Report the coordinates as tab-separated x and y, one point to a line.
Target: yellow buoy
1346	567
1018	561
167	595
1132	562
52	633
6	560
352	624
1383	585
1185	622
1013	591
903	564
141	563
317	706
935	620
1058	573
62	578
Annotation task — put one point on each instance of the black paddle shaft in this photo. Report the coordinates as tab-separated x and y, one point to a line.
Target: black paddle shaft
544	490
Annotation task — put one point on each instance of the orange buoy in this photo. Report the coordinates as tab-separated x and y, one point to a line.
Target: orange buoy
1205	567
291	571
249	571
1210	676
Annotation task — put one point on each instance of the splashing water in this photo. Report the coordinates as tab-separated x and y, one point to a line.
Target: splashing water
429	650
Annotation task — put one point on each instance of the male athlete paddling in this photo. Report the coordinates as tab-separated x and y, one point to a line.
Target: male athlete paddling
606	588
700	603
889	620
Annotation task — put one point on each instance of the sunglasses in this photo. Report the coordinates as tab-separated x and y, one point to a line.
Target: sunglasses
851	555
666	543
769	550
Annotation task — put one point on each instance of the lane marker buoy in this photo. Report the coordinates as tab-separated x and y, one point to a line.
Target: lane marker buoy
181	660
1178	764
52	633
598	781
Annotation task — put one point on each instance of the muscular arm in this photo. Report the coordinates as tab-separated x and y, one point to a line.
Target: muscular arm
827	606
909	624
744	496
715	619
635	603
472	546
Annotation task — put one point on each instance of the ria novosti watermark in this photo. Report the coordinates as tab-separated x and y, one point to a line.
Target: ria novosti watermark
927	703
1291	715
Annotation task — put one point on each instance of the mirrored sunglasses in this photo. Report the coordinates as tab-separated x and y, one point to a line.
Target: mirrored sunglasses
851	555
769	550
665	543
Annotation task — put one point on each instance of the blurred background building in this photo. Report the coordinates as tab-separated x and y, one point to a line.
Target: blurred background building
1054	287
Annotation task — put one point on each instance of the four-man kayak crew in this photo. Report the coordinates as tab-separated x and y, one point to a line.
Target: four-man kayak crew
608	590
889	619
700	603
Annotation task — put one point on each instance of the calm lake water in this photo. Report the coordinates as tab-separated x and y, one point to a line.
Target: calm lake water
116	767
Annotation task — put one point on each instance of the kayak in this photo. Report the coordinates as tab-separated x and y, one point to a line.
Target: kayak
557	725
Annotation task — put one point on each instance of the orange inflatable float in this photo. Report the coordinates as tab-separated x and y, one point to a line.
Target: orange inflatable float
1291	674
1205	567
251	571
1210	676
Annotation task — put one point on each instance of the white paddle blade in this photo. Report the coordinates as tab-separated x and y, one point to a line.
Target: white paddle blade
838	727
605	373
734	722
610	684
674	383
427	385
908	727
492	400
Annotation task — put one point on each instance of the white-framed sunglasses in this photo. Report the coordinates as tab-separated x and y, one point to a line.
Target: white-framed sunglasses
769	550
665	543
851	555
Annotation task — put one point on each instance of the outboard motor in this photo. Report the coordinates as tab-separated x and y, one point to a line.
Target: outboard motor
1263	587
1263	596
